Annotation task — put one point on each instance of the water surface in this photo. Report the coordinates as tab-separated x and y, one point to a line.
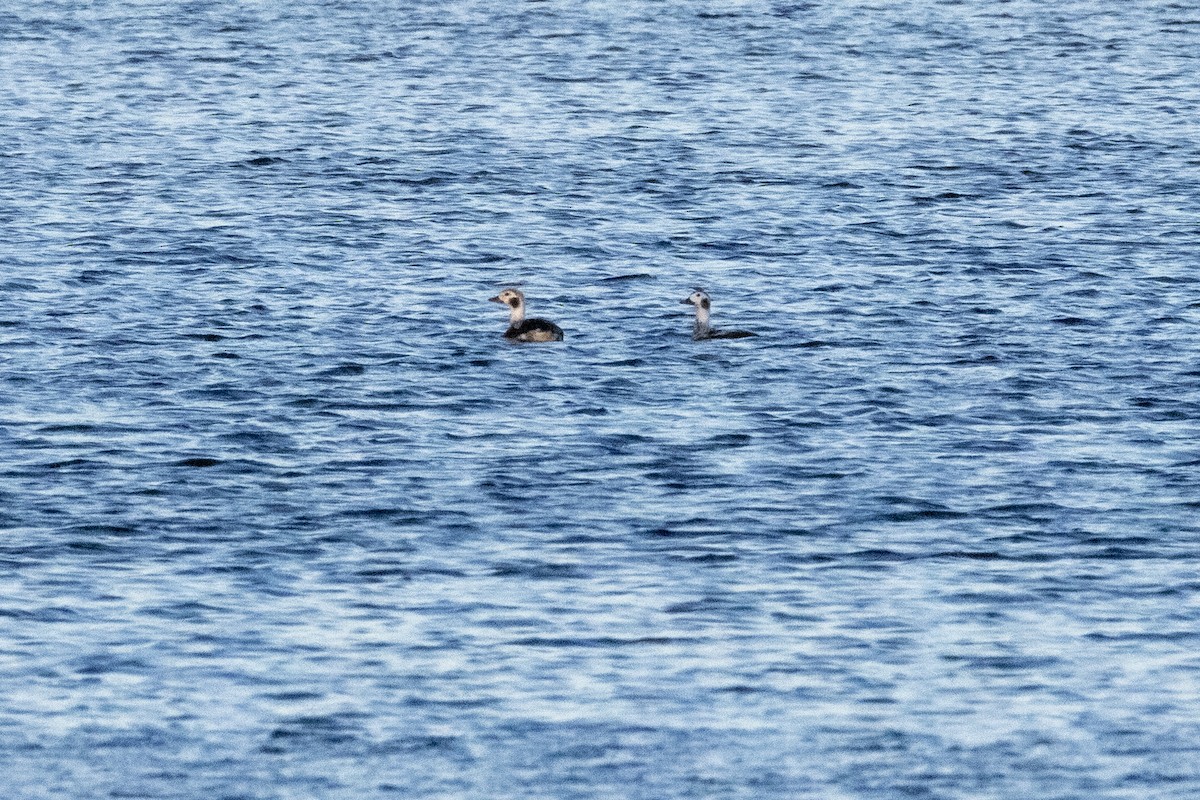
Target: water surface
282	515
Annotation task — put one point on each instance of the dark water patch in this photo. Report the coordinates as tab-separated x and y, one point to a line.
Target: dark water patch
185	611
731	440
138	736
92	277
811	558
398	517
316	731
293	696
1006	663
696	528
199	462
102	530
709	558
1173	636
419	744
76	427
92	546
42	614
981	555
203	337
108	664
600	642
434	570
384	573
873	556
70	463
942	197
539	570
454	704
585	539
422	181
922	514
718	607
591	411
1117	553
258	439
264	161
343	370
633	276
997	601
222	394
1074	322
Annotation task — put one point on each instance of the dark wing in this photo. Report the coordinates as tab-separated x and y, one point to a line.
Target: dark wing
534	328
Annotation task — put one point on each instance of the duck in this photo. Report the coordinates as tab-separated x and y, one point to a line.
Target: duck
701	329
521	329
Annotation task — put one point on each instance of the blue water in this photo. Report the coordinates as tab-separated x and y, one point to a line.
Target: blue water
283	516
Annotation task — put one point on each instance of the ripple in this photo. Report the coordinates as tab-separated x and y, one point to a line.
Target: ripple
281	508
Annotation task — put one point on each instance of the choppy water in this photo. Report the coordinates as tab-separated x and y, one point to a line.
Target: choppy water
283	516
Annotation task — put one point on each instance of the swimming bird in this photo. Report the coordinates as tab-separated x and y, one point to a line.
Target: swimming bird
521	329
702	330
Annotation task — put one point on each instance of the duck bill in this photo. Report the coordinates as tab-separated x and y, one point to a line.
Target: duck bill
495	299
685	302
